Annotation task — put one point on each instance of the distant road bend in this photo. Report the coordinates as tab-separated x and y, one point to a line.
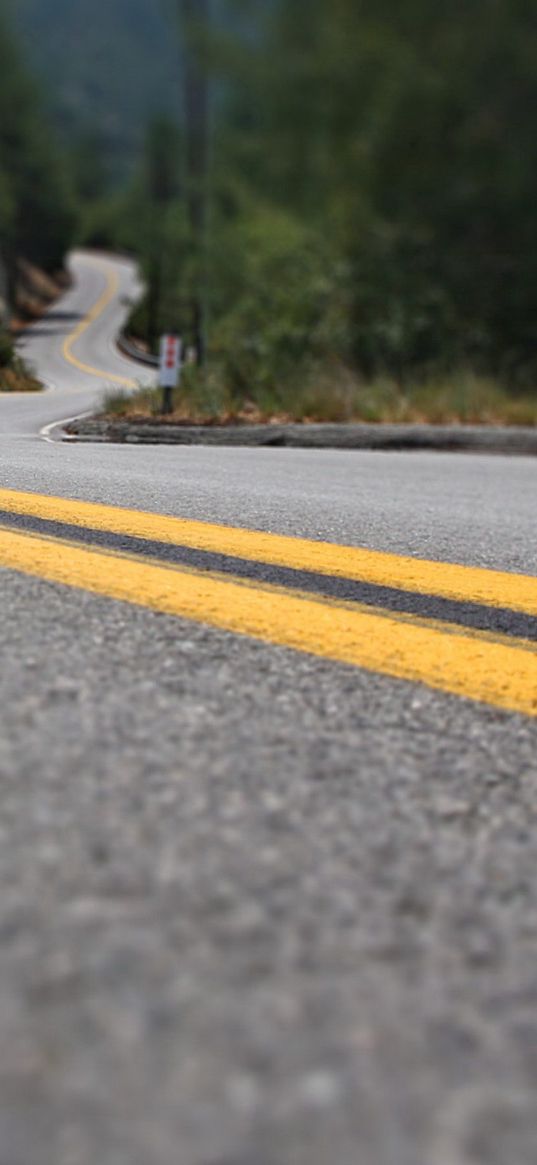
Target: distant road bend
269	755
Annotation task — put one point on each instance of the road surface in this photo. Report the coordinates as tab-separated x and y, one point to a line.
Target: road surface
268	870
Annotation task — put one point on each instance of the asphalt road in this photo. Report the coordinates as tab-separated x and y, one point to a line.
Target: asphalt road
259	907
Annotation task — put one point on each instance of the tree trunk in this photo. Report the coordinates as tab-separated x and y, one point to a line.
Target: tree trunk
196	14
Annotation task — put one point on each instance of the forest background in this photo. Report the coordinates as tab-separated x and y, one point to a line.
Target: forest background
356	236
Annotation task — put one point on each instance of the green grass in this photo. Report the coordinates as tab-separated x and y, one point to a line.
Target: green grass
333	396
15	376
18	378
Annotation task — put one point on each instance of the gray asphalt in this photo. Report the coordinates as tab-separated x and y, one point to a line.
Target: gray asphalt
257	908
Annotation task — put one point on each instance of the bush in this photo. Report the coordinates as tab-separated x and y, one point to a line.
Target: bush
278	306
7	350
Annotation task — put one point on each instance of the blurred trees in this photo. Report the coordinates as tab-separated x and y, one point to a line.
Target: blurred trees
195	26
367	203
404	134
373	177
160	186
36	210
107	69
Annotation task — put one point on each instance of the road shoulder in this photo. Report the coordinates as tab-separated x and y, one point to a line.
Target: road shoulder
446	438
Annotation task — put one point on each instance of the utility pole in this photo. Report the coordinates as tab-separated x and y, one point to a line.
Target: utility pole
162	187
196	22
4	309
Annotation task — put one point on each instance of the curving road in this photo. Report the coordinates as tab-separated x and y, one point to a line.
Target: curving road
474	510
260	905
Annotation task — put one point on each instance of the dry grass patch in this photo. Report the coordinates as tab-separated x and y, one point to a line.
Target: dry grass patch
336	397
15	376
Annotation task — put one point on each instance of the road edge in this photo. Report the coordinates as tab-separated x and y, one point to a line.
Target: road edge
441	438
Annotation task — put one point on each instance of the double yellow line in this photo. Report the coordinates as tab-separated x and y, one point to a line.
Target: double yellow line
496	669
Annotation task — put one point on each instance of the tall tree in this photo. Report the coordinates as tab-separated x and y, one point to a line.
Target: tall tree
161	183
196	23
36	213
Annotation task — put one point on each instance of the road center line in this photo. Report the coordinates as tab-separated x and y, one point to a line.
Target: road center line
474	665
496	620
450	581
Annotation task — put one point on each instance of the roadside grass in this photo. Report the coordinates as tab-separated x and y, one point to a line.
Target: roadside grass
15	375
15	380
331	396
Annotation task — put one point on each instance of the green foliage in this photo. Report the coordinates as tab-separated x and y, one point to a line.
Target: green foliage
102	224
372	217
404	136
373	179
36	212
276	305
15	375
89	171
109	68
333	395
7	350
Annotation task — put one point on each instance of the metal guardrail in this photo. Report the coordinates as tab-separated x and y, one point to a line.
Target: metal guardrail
131	350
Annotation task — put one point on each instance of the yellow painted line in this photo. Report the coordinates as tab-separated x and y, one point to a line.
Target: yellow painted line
109	293
477	665
490	588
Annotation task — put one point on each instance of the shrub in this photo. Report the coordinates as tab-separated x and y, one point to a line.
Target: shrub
279	307
7	350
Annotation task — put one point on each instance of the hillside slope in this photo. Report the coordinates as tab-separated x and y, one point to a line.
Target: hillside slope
108	68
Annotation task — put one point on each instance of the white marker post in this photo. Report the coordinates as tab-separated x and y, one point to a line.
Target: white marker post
170	363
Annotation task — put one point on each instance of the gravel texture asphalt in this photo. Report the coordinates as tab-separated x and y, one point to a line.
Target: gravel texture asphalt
257	908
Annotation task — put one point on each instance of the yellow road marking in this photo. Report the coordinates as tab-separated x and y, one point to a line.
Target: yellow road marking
110	292
451	659
466	584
